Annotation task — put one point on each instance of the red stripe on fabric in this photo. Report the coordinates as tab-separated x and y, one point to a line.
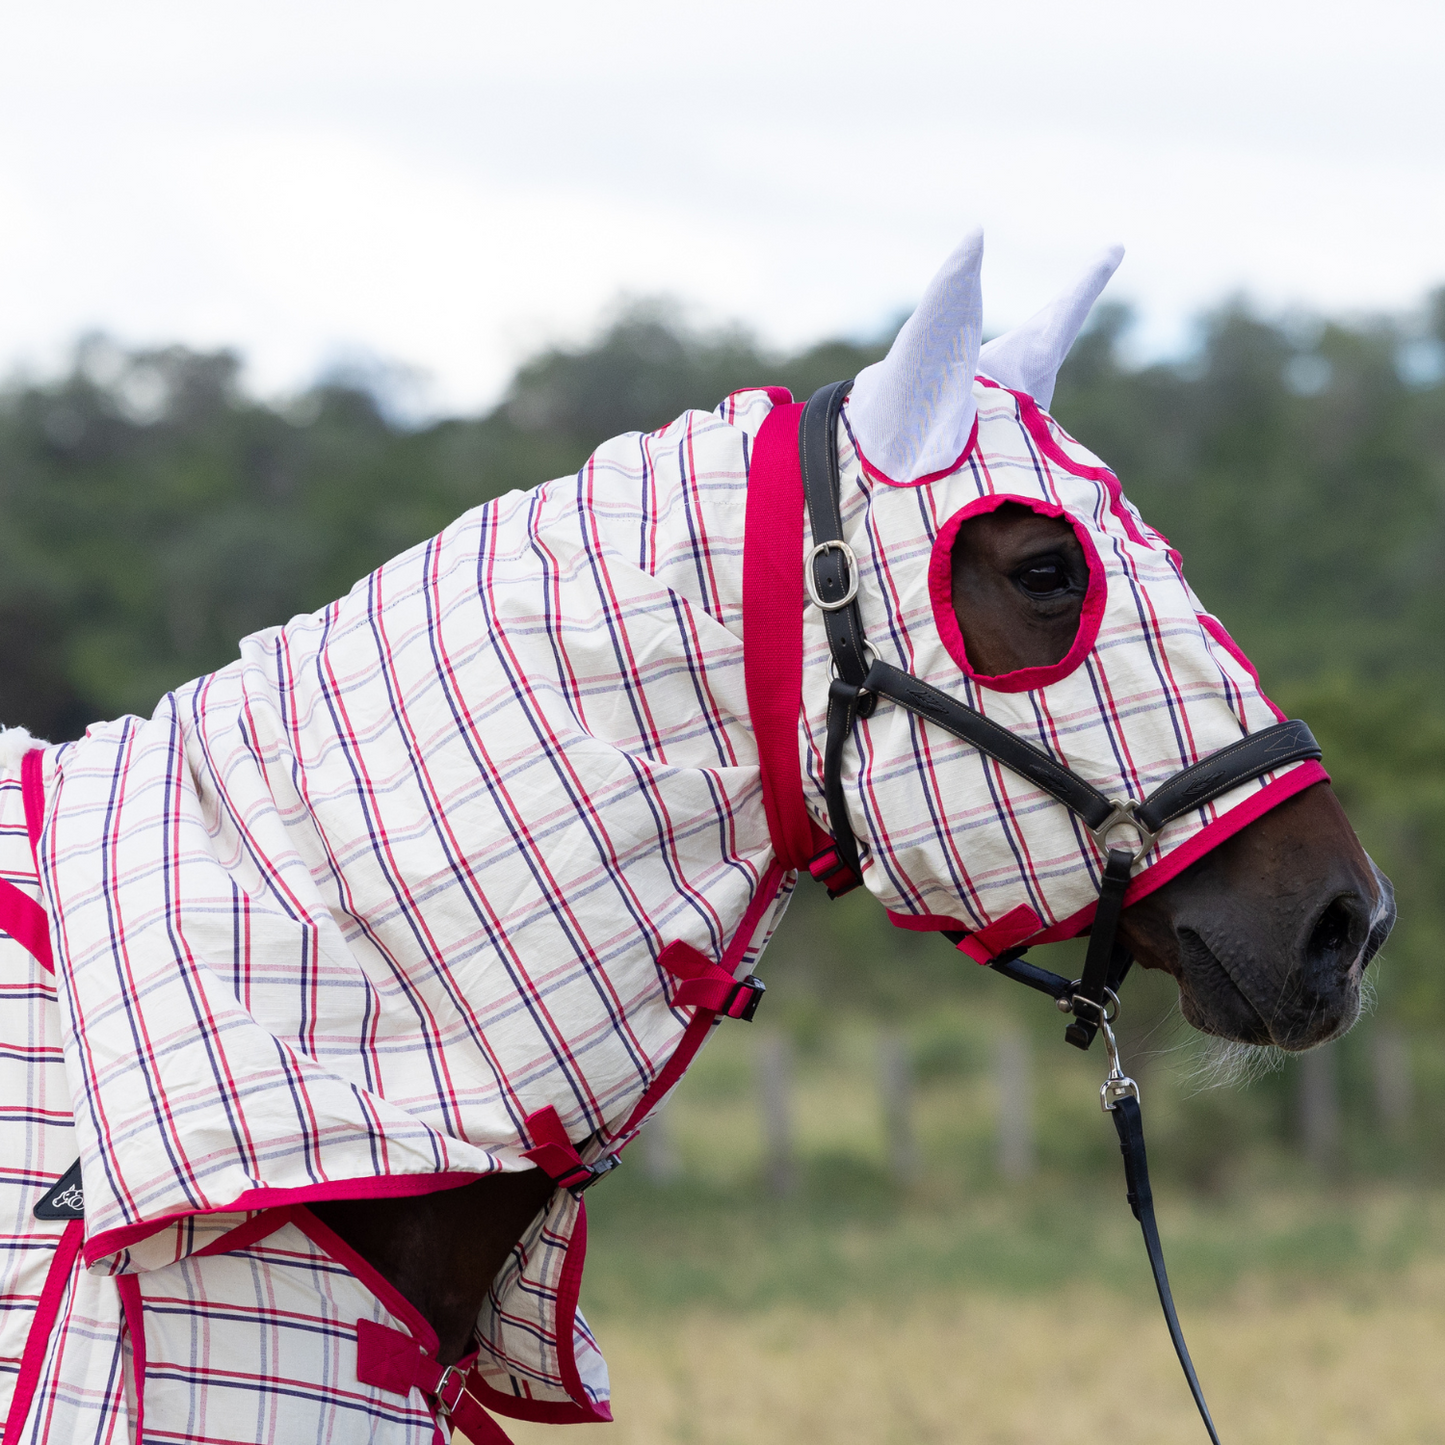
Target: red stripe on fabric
773	627
1306	775
128	1288
62	1263
26	922
372	1186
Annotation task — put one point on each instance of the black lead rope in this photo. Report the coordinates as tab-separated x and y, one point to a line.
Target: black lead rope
1125	830
1130	1124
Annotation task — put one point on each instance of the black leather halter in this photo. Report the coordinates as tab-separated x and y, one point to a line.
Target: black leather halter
1124	829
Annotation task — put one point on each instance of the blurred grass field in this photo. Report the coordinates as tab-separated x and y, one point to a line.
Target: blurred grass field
1311	1364
958	1305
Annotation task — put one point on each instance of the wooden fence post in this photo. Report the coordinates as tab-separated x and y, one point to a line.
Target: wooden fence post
775	1081
1013	1077
895	1086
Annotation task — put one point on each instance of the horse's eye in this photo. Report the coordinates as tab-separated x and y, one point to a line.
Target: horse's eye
1043	579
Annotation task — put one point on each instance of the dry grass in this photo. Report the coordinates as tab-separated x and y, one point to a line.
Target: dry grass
1324	1365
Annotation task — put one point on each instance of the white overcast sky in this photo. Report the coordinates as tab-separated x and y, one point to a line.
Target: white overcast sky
447	184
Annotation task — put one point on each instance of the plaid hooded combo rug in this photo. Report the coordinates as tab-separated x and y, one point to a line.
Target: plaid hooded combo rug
455	876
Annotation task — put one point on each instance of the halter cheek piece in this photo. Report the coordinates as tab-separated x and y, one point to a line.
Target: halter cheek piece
1124	829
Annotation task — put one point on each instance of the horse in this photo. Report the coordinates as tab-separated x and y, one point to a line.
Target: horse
351	969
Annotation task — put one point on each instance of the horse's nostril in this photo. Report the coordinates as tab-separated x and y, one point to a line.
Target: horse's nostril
1340	933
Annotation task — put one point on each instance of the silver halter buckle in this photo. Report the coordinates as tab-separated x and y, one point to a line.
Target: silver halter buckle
1124	816
811	584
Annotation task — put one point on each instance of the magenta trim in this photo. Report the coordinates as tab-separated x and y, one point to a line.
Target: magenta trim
778	395
773	628
876	475
1216	629
367	1274
582	1410
1304	775
926	922
32	792
26	922
990	941
1032	419
940	592
128	1288
379	1186
62	1262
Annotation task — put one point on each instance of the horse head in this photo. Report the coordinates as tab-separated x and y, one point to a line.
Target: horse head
1066	618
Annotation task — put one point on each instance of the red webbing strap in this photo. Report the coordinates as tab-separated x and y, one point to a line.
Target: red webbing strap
773	643
25	921
62	1264
20	915
395	1361
32	791
554	1153
773	628
706	984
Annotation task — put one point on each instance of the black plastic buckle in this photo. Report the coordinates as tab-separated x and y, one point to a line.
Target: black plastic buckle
582	1180
752	985
832	872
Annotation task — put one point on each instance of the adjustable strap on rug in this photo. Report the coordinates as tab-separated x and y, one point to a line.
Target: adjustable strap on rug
395	1361
1125	829
557	1157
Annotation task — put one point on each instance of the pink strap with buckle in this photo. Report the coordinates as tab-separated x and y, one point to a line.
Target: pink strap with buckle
395	1361
554	1153
706	984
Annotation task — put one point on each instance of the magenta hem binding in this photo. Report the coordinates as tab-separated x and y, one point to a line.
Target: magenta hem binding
874	474
940	592
370	1186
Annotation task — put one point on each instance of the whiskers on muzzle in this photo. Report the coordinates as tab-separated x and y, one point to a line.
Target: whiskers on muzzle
1225	1064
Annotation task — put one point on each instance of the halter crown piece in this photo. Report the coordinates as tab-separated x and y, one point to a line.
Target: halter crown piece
918	419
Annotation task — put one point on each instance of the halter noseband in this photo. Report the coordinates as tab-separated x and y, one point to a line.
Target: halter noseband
831	577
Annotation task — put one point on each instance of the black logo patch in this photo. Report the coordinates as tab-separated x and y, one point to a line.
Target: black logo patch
65	1199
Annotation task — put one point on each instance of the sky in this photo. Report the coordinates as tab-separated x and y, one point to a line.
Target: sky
447	186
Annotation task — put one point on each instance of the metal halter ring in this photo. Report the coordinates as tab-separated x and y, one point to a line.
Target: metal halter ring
1123	816
1101	1011
811	584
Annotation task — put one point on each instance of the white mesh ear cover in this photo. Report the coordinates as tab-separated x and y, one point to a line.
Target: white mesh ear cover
912	412
1028	358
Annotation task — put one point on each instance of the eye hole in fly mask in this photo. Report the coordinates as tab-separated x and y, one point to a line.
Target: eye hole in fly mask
1018	592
